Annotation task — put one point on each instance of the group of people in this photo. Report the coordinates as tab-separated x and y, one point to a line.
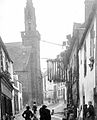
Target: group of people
44	113
31	114
72	113
88	111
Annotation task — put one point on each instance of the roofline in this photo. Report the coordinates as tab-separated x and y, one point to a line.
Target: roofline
4	48
89	21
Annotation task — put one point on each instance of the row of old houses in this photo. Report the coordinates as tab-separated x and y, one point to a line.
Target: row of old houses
81	68
10	86
77	65
53	92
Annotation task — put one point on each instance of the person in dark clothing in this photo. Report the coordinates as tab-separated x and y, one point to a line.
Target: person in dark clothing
84	111
27	114
74	108
34	107
47	114
41	113
69	111
44	113
90	111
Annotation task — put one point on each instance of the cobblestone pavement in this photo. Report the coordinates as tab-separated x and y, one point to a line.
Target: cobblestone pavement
58	110
19	117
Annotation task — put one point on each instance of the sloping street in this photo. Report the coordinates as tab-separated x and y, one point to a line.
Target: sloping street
48	59
58	111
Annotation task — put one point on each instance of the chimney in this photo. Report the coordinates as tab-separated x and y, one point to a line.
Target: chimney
88	8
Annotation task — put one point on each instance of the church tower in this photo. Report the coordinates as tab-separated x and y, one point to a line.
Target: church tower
30	19
31	37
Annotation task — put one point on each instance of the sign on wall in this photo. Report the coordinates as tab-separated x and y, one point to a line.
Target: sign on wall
6	91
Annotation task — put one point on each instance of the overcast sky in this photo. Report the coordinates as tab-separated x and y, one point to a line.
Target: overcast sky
54	20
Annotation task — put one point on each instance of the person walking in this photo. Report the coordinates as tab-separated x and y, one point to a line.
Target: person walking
44	113
27	114
41	113
84	111
34	107
69	111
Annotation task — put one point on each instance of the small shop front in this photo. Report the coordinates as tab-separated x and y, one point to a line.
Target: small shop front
6	99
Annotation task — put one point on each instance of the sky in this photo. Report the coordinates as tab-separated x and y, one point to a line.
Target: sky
54	19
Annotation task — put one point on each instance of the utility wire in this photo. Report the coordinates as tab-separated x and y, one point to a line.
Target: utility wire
44	58
51	43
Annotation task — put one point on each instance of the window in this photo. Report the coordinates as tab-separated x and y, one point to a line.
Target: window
1	57
6	63
85	61
70	75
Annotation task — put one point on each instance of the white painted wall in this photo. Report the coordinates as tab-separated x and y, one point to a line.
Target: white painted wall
20	98
48	87
87	83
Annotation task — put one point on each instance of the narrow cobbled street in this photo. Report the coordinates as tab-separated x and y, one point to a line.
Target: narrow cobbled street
48	59
58	111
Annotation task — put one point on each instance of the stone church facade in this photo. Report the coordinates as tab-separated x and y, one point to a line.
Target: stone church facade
26	58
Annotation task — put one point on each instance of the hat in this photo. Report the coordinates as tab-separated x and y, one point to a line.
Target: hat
44	106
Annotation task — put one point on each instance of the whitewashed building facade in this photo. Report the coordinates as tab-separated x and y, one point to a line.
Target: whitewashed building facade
17	95
88	61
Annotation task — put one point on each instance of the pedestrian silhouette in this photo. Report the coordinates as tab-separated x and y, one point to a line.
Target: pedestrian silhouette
44	113
69	111
27	114
84	111
34	107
